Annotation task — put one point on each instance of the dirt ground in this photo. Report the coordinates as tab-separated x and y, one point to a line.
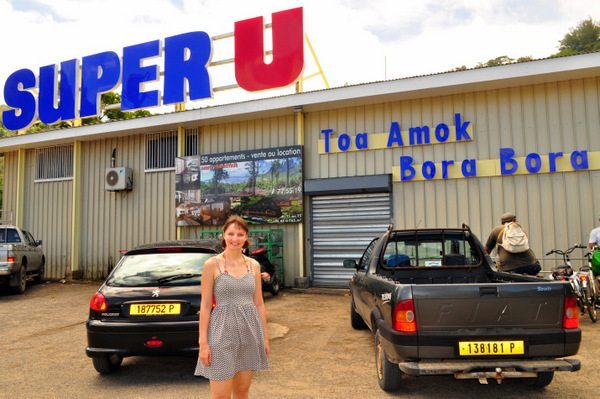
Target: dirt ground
315	354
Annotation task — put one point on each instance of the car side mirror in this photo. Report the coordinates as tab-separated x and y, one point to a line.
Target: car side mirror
350	264
38	242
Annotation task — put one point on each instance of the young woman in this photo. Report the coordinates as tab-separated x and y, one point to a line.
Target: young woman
233	336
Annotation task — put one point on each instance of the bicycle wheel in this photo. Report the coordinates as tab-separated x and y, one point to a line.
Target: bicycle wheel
593	302
592	311
582	301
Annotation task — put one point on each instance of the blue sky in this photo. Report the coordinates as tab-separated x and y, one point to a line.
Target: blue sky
356	41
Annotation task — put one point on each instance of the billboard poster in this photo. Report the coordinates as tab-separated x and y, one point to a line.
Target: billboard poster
262	186
187	191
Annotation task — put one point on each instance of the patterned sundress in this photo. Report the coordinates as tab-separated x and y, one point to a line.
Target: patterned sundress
235	333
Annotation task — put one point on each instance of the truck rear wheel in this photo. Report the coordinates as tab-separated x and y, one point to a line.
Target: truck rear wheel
40	274
388	373
20	280
543	379
355	320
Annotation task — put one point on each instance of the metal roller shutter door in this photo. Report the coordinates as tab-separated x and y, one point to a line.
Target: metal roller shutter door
342	227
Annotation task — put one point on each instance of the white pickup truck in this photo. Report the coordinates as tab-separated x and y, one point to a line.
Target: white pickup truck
21	258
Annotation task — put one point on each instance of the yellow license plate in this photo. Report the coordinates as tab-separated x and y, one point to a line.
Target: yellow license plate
154	309
483	348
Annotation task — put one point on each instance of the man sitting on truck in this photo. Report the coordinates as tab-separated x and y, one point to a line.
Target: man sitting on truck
594	240
514	256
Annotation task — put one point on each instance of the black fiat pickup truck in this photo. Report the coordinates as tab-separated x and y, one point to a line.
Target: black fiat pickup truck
436	305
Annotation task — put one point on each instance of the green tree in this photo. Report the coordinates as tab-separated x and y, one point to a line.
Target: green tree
502	60
3	131
1	181
584	38
39	126
275	170
252	169
526	58
113	114
220	175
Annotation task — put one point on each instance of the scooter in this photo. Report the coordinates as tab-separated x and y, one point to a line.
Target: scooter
270	281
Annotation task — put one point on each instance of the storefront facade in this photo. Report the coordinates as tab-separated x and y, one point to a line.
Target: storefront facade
429	151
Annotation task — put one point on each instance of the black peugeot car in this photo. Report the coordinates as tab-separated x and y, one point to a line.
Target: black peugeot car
149	305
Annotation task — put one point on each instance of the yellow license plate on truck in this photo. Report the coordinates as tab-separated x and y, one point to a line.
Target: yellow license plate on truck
154	309
491	348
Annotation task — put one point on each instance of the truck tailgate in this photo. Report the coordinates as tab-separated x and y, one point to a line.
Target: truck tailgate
530	305
4	252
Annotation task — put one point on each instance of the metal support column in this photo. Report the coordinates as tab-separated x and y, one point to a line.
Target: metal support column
300	141
20	204
180	153
76	211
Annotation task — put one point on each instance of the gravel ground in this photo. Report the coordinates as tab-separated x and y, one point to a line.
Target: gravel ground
315	354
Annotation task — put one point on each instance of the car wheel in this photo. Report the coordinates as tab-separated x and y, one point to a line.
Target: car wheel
40	275
275	286
355	320
21	279
543	379
107	364
388	373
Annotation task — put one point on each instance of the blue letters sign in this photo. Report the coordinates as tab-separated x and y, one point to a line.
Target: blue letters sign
102	72
186	58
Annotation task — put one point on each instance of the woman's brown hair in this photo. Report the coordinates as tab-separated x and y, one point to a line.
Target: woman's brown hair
241	223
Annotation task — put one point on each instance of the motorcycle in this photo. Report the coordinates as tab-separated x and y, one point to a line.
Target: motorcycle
582	282
270	281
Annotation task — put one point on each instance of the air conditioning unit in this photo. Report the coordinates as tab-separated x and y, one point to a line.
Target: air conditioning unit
118	179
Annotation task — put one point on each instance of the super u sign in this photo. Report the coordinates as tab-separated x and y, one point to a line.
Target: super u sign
186	59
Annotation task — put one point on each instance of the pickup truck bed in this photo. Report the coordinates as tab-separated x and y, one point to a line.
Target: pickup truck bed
21	258
437	305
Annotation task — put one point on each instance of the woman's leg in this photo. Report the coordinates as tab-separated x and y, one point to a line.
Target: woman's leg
221	389
241	384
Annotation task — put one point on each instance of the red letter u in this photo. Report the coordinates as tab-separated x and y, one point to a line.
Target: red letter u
251	71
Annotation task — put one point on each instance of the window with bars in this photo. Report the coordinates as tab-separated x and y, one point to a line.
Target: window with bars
161	150
54	163
191	142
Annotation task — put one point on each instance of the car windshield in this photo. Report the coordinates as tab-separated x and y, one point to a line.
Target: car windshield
159	269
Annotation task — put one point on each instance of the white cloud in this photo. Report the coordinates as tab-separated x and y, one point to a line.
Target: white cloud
353	38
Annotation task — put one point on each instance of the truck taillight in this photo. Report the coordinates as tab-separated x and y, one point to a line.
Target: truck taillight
98	302
570	313
404	317
10	258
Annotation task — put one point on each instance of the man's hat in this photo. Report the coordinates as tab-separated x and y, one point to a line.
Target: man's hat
508	217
